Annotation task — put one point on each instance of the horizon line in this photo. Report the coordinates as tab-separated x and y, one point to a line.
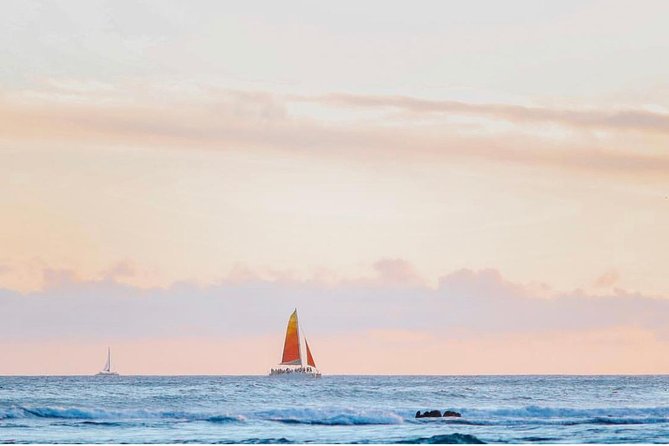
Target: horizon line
346	374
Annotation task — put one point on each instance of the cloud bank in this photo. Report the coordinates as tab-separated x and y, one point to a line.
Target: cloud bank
464	302
466	308
209	118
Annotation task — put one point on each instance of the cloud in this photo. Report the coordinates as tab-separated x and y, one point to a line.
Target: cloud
624	119
486	303
217	119
607	280
56	278
465	303
120	270
397	271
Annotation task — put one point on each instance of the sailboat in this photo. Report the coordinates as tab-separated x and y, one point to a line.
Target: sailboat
291	361
107	371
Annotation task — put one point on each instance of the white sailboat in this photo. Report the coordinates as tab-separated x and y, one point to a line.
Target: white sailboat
107	370
291	361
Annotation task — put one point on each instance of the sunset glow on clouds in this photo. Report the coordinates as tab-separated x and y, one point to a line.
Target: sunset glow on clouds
481	189
472	322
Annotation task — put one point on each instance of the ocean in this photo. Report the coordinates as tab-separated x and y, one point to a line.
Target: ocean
334	409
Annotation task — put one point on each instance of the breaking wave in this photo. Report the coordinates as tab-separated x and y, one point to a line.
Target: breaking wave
332	417
93	415
535	415
346	417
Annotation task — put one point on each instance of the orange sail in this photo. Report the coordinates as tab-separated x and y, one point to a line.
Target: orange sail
310	359
291	347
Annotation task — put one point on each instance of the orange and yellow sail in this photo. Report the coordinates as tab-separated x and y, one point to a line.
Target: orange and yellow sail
292	355
291	347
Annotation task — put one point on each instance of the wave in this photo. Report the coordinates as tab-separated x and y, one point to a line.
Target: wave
564	415
337	416
567	412
614	421
331	417
94	415
280	440
443	439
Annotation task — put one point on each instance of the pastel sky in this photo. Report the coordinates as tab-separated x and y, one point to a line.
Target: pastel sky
439	187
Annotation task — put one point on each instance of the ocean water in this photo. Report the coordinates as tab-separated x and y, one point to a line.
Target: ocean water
334	409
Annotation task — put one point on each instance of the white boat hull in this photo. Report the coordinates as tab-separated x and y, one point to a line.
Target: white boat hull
295	375
292	373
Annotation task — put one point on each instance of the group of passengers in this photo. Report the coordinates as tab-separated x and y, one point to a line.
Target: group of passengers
289	371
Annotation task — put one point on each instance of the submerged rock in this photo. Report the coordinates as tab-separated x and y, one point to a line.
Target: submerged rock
428	414
451	413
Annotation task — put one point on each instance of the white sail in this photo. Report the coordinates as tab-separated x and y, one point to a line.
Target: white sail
107	367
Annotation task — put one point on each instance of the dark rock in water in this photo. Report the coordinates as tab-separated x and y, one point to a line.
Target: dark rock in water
428	414
445	439
451	413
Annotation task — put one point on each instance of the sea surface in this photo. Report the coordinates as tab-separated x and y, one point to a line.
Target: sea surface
334	409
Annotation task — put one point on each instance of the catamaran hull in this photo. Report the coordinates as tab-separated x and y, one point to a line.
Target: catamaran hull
297	372
295	375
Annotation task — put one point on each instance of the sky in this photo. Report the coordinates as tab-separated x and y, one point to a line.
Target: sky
438	187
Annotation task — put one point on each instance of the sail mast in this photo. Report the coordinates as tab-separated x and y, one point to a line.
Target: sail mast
299	342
